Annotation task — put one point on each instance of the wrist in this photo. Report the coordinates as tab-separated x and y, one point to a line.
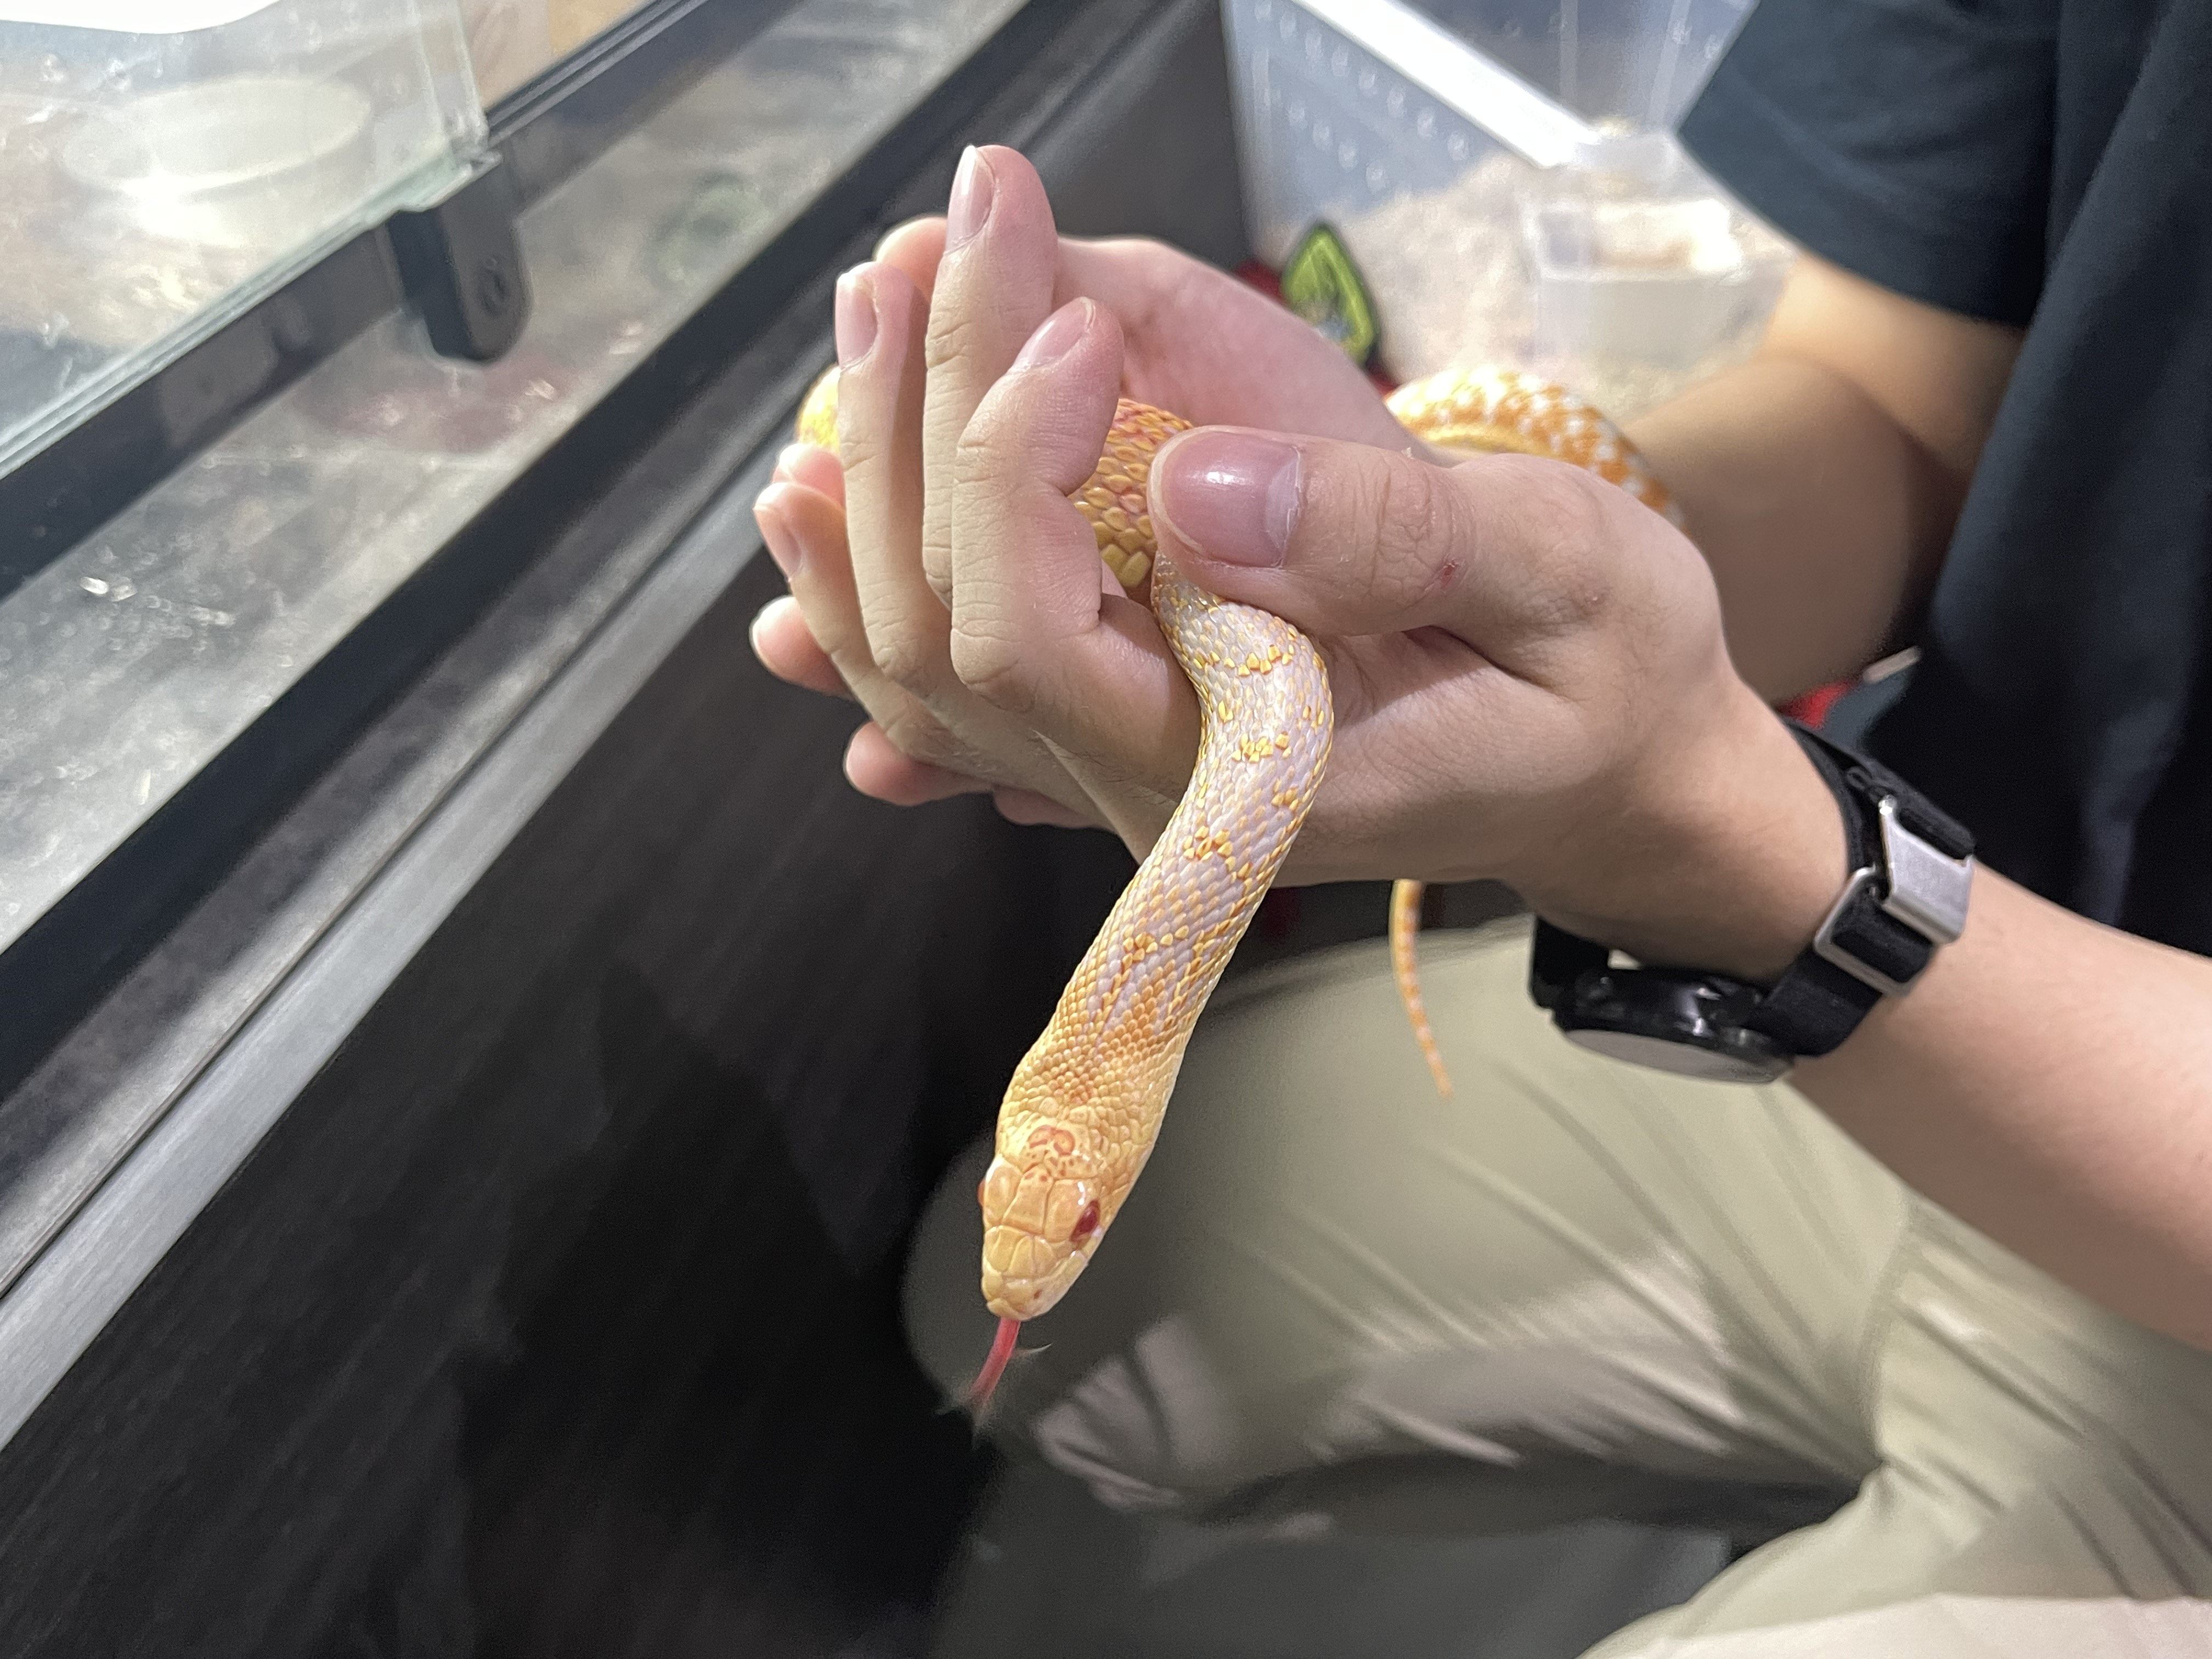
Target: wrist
1742	856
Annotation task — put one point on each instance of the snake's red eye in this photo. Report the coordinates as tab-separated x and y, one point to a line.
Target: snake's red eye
1085	1224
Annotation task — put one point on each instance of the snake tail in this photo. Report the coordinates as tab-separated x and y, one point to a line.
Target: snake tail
1491	411
1405	930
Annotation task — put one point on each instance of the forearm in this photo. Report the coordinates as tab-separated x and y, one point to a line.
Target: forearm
2049	1082
1822	519
1822	479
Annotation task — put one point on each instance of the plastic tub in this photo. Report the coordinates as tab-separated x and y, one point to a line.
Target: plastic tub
1641	62
1495	220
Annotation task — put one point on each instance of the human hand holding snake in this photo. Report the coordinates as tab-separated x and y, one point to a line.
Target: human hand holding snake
1523	666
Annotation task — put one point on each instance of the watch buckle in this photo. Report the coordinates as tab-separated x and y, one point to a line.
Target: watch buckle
1928	890
1825	945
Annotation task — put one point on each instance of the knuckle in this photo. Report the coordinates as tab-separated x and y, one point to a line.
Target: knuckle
950	337
937	562
1565	520
975	460
921	736
993	665
860	447
910	658
984	472
1415	530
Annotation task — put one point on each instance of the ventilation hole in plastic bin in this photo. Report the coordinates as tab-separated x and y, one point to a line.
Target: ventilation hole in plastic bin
1425	124
1340	63
1348	156
1262	12
1288	28
1455	147
1322	136
1377	178
1296	115
1367	81
1395	102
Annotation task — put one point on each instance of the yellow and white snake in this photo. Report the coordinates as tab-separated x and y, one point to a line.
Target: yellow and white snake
1085	1105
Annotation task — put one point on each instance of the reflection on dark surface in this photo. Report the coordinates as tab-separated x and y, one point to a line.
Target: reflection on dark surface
710	1438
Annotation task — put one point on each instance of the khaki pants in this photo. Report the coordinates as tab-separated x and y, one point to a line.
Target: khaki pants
1582	1289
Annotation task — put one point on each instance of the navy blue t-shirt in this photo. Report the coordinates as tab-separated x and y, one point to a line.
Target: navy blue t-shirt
2046	163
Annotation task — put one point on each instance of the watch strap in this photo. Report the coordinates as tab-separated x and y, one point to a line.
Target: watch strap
1864	950
1908	867
1818	1003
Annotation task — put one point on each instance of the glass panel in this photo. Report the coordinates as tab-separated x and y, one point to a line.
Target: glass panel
132	660
162	162
510	40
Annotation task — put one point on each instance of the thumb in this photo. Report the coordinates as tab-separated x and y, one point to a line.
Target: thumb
1343	538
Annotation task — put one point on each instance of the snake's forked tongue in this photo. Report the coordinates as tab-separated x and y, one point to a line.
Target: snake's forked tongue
987	1380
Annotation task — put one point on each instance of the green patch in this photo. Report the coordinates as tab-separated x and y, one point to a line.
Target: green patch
1322	284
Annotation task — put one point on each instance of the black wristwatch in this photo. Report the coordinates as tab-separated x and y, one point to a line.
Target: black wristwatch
1911	870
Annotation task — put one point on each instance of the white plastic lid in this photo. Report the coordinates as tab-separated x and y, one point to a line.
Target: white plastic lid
131	16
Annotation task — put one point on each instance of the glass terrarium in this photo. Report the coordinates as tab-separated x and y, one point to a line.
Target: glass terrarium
164	162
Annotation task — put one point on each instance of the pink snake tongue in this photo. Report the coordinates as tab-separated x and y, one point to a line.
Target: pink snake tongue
987	1380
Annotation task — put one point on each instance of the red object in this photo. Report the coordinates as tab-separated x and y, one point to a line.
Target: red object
1261	277
987	1380
1812	709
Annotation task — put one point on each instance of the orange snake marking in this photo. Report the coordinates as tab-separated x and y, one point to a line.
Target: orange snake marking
1052	1135
1106	1063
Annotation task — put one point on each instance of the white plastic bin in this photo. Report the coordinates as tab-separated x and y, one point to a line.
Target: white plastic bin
1508	186
1637	61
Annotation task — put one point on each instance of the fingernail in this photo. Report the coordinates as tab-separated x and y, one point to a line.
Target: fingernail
1056	335
776	531
1231	496
760	621
970	205
786	459
855	317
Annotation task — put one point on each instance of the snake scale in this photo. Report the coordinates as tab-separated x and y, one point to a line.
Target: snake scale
1085	1106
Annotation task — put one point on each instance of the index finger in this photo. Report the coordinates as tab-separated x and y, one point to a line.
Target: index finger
1034	629
994	286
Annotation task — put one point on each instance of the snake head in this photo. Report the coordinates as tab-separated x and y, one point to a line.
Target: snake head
1044	1212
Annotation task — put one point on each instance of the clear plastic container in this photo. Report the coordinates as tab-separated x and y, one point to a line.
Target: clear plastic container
1504	175
1641	62
164	162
